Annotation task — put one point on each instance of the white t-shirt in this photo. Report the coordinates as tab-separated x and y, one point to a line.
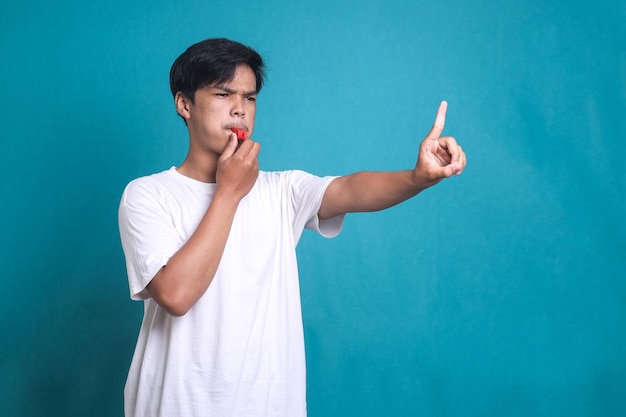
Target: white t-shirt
239	351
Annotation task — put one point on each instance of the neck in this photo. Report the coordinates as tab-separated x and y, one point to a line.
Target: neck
200	169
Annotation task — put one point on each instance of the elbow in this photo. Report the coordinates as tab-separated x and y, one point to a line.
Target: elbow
174	303
175	309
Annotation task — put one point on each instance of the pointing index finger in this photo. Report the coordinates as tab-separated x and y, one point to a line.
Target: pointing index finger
440	121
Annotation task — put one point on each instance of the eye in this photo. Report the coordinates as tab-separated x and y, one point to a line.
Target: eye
221	94
251	98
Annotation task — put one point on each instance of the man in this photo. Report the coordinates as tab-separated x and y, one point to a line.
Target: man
210	247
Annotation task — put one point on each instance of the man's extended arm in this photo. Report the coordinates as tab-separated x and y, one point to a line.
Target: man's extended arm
439	157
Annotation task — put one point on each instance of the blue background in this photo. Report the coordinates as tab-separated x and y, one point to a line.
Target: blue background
498	293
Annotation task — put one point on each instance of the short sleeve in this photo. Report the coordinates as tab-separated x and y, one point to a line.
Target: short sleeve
148	236
307	192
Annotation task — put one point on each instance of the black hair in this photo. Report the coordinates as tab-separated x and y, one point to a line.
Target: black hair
210	62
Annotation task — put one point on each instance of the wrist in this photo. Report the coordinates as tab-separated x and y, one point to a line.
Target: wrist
421	180
226	198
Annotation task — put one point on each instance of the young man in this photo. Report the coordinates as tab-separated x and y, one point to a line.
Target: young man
210	248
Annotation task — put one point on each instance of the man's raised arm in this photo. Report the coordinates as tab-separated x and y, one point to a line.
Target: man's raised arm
439	157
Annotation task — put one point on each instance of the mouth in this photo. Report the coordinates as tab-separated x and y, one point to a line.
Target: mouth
241	133
240	129
236	125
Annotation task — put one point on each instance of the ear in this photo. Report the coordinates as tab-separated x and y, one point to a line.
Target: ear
183	105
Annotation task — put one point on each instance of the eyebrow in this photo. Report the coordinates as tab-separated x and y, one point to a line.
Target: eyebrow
231	91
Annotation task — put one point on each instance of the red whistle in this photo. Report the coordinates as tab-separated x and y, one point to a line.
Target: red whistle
241	134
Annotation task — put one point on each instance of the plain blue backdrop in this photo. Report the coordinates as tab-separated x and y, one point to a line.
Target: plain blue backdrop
497	293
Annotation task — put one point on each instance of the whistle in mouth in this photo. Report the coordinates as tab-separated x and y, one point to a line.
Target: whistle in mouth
241	134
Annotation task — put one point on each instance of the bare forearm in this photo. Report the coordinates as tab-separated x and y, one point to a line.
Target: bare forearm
439	157
369	191
190	271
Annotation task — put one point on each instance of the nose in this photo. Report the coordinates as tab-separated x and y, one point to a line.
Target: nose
239	108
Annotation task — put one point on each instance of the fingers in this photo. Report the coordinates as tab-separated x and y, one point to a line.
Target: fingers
238	166
231	147
462	162
449	150
453	153
439	156
440	122
249	149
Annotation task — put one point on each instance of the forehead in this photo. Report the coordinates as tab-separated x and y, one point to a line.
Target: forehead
243	80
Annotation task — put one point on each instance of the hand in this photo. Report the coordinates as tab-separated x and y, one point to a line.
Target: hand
238	167
439	156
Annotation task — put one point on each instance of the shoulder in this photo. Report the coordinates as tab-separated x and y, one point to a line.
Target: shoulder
149	185
285	177
287	181
295	183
